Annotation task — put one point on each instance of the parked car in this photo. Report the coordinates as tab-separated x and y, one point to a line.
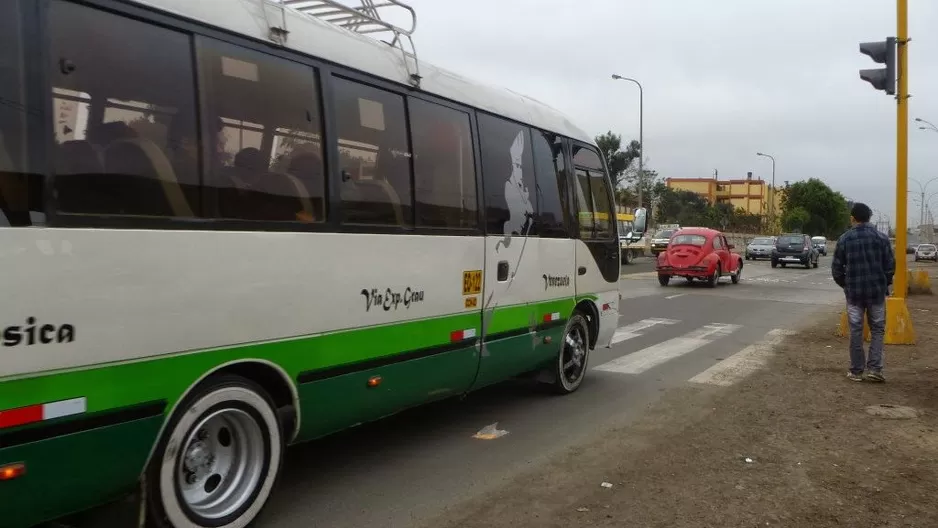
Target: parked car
698	253
910	249
795	248
659	242
760	247
926	252
820	243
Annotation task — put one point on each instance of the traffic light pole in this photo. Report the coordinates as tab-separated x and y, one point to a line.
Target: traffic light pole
899	329
902	148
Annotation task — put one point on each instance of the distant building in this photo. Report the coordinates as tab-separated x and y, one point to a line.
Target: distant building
750	195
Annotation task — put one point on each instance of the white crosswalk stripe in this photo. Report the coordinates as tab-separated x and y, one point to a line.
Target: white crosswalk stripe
657	354
631	331
743	363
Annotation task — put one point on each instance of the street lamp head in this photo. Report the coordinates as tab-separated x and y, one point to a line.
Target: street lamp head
919	119
616	76
759	154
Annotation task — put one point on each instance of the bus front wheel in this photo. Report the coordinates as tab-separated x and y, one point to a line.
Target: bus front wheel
218	459
573	355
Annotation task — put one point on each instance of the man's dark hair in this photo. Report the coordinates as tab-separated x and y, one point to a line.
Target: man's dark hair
861	212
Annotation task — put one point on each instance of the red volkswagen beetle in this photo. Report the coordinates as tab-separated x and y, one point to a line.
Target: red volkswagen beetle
699	253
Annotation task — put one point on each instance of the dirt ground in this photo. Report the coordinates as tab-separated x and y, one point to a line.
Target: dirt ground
791	446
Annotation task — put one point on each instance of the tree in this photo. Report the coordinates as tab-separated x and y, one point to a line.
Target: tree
618	161
626	197
682	207
827	211
795	219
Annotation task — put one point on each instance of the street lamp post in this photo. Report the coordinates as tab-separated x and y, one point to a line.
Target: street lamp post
641	139
772	198
928	125
922	189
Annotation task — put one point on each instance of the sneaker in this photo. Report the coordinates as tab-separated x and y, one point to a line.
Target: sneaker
854	377
875	376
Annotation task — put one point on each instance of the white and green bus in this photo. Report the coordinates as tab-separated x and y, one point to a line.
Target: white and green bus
227	226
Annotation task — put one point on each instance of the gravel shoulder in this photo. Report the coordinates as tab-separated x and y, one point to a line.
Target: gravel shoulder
794	445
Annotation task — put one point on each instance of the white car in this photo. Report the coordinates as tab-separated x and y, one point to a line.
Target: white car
926	252
659	242
821	244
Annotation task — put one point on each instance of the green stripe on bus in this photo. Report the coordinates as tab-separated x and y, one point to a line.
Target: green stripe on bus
167	377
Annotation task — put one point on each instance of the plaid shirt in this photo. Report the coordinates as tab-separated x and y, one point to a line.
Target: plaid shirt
863	265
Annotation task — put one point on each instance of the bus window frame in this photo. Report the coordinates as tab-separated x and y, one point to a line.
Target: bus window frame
326	71
572	143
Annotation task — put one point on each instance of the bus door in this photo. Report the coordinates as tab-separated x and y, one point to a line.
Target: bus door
512	272
597	253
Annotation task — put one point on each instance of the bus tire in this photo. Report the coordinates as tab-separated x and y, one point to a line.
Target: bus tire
573	356
227	427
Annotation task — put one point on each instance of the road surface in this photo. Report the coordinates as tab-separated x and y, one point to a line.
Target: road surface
405	470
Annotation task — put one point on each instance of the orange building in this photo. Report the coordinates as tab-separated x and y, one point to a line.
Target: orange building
752	196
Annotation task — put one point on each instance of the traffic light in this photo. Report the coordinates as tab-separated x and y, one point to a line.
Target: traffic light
883	52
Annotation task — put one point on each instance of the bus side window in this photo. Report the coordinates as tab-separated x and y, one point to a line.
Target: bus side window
20	184
375	157
508	172
444	166
551	179
594	195
124	103
265	158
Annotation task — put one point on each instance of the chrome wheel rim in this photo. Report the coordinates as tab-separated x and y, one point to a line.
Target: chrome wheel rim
573	356
221	463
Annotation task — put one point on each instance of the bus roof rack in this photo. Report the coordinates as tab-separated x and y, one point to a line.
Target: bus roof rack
365	18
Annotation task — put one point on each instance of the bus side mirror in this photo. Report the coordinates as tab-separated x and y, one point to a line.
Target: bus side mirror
641	222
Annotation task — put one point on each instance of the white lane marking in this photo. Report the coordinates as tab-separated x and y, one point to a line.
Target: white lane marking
675	296
659	353
743	363
631	331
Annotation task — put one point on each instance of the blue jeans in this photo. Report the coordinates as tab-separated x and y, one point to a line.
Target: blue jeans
876	318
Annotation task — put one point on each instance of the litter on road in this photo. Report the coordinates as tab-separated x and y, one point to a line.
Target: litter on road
490	432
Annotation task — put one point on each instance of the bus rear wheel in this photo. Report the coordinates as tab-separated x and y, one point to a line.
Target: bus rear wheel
218	459
573	355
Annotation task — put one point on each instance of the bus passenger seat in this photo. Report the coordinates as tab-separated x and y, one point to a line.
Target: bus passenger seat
378	199
308	168
306	214
79	173
157	192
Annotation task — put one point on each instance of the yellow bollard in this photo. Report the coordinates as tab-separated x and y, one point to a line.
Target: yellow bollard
844	329
919	282
899	329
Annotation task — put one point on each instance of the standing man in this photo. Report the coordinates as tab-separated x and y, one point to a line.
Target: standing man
863	266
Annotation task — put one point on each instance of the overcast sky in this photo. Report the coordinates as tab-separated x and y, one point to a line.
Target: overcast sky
723	79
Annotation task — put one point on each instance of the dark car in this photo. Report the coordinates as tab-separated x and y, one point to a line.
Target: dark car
795	248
